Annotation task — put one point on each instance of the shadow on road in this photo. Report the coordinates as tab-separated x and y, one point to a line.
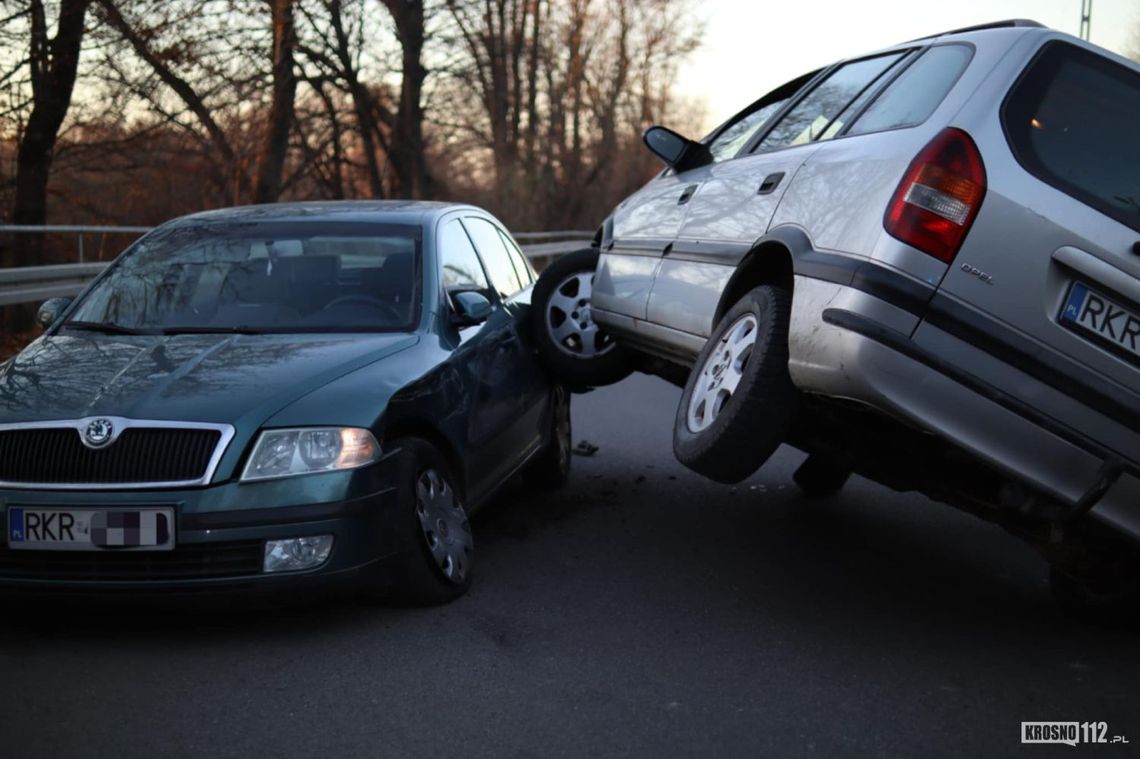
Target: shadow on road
636	530
662	545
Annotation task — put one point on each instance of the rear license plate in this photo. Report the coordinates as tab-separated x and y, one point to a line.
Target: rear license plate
54	529
1101	318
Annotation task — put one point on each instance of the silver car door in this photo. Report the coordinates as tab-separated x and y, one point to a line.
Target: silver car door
736	202
643	226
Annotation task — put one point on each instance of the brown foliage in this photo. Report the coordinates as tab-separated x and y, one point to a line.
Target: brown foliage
532	108
555	95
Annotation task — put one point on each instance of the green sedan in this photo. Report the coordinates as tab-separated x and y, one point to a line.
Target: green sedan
278	397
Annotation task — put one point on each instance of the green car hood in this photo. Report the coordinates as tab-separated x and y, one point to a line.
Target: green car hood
232	379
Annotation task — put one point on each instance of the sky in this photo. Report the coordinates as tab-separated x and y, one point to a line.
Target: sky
753	46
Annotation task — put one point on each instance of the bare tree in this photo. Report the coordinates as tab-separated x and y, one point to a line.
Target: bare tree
533	108
336	32
390	126
214	58
321	132
492	33
408	148
578	78
271	157
177	35
52	63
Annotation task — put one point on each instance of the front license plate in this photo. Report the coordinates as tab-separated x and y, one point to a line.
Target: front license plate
51	529
1103	319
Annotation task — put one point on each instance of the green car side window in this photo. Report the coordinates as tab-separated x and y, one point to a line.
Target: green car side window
459	262
495	256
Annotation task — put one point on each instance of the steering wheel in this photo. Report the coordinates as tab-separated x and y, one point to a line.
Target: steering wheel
367	300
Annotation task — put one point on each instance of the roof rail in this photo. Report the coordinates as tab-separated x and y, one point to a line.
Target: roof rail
1008	23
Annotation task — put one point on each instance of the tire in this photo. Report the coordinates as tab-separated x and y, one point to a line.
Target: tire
820	477
576	352
1109	600
739	403
435	564
550	469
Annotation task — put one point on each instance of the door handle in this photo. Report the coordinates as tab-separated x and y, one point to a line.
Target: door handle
770	183
686	194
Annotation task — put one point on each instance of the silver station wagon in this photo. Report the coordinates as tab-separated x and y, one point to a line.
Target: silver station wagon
920	265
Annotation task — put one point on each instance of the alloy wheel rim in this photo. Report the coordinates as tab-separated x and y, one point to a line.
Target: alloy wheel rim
722	371
444	525
569	318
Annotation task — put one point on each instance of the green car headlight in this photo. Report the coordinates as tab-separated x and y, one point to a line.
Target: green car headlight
285	453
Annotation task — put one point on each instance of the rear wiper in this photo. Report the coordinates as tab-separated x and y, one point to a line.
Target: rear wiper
240	330
109	328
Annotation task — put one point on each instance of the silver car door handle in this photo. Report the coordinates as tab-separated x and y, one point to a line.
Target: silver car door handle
686	194
770	183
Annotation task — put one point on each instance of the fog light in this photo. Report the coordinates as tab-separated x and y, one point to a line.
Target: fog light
295	554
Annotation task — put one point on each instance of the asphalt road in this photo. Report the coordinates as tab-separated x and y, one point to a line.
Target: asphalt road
640	611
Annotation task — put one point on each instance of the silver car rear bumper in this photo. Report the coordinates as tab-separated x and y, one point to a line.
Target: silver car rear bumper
847	343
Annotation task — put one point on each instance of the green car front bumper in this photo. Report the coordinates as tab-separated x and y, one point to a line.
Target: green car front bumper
220	535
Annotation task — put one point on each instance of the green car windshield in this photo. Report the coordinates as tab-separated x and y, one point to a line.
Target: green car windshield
260	277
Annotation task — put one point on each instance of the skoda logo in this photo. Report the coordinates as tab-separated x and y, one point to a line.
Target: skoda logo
98	433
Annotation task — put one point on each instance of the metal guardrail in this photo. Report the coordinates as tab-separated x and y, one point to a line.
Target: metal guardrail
79	230
32	284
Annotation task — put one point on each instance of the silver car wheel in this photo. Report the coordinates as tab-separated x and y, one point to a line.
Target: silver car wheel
722	372
444	525
569	321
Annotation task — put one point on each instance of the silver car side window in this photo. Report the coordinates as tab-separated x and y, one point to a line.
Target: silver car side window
914	95
727	141
812	115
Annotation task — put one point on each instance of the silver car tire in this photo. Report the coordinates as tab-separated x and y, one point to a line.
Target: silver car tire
739	402
576	351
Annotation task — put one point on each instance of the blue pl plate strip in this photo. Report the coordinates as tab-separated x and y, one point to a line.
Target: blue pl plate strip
15	525
1076	300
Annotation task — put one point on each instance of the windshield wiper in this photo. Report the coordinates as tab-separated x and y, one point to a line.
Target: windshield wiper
239	330
109	328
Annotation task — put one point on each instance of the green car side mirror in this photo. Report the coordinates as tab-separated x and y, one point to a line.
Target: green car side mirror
470	307
51	311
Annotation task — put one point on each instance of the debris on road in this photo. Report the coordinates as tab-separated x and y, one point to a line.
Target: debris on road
585	448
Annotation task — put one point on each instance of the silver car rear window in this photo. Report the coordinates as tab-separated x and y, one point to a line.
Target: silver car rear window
1071	121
